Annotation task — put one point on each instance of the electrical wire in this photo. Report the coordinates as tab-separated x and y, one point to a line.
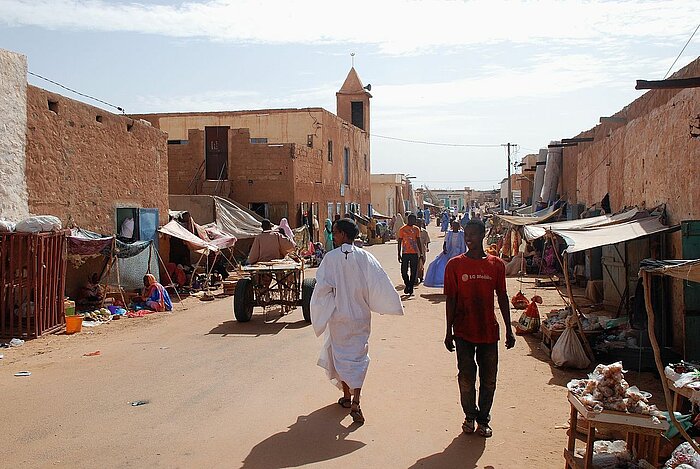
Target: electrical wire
77	92
681	52
422	142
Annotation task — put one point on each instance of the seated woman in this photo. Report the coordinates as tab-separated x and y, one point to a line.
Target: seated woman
154	295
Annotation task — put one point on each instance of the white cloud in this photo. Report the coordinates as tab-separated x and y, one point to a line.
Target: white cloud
394	26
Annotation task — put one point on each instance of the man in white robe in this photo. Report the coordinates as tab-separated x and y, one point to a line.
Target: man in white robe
350	283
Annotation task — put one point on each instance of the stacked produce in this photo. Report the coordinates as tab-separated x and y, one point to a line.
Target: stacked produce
606	388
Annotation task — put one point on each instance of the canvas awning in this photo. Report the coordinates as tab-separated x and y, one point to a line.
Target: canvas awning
376	214
235	220
173	228
683	269
593	237
534	219
428	204
88	243
537	231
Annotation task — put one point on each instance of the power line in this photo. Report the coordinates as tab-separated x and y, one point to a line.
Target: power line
77	92
422	142
681	53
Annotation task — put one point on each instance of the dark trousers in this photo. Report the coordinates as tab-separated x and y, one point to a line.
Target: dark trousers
409	262
487	361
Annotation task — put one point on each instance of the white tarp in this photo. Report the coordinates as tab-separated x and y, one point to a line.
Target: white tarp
235	221
588	238
173	228
535	218
537	231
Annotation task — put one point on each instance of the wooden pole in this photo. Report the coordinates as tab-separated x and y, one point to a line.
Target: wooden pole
574	308
646	279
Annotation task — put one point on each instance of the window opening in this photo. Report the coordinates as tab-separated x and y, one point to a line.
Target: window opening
358	114
53	106
330	150
346	166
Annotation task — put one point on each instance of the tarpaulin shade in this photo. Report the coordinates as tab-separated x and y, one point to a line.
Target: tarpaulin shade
593	237
376	214
235	221
88	243
218	238
173	228
535	218
683	269
537	231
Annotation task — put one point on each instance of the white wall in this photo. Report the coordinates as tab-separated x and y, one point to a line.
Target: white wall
13	130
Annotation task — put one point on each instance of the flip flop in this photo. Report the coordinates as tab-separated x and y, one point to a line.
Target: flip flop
345	402
468	426
485	431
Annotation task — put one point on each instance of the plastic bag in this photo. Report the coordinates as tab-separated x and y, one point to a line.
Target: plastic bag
529	321
568	351
520	301
684	454
38	224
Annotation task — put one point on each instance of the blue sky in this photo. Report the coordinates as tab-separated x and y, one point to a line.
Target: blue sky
479	72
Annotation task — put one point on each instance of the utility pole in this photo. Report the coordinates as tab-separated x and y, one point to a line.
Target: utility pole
510	189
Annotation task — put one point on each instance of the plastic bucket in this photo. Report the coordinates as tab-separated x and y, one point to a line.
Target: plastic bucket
74	324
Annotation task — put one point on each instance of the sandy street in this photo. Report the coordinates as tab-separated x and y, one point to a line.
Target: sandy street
226	394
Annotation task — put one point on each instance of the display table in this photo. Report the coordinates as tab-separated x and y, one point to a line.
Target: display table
643	433
678	393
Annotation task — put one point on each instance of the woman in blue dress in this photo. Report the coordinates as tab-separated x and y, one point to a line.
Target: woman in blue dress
445	221
454	245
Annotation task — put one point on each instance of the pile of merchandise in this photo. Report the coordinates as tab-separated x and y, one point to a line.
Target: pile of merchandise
556	320
606	389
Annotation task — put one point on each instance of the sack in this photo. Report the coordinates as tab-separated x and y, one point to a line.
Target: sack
6	226
38	224
520	301
529	321
568	351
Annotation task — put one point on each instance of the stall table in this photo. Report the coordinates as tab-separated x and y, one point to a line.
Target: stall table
643	433
678	393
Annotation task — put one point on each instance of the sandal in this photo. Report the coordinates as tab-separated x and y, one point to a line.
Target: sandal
485	431
468	426
356	413
345	402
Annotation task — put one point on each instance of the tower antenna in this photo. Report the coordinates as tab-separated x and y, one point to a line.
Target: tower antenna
352	59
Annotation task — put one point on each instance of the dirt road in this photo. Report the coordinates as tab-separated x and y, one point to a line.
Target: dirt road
225	394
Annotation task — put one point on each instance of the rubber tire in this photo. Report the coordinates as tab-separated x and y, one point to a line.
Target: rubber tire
307	289
243	300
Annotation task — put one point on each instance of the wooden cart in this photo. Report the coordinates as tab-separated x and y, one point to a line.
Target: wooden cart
273	283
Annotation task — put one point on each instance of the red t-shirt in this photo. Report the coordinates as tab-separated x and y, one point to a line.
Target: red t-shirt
473	282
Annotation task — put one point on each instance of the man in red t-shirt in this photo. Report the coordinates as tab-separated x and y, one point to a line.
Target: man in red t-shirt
410	250
470	281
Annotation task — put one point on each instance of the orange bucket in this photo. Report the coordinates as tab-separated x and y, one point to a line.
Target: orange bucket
74	324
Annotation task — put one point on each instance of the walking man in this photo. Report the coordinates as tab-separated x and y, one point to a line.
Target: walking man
410	250
470	281
350	283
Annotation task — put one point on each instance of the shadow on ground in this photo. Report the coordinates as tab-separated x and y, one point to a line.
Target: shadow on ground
560	376
464	452
256	327
313	438
434	298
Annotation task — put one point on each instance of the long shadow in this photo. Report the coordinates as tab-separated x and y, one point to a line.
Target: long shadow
560	376
313	438
434	298
254	328
464	452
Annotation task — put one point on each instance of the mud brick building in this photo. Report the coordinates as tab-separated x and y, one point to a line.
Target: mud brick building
278	162
77	162
647	155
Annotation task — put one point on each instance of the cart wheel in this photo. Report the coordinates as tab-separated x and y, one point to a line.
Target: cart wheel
243	300
307	289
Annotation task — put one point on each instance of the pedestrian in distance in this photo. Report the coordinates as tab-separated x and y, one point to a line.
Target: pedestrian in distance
350	284
470	282
410	249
